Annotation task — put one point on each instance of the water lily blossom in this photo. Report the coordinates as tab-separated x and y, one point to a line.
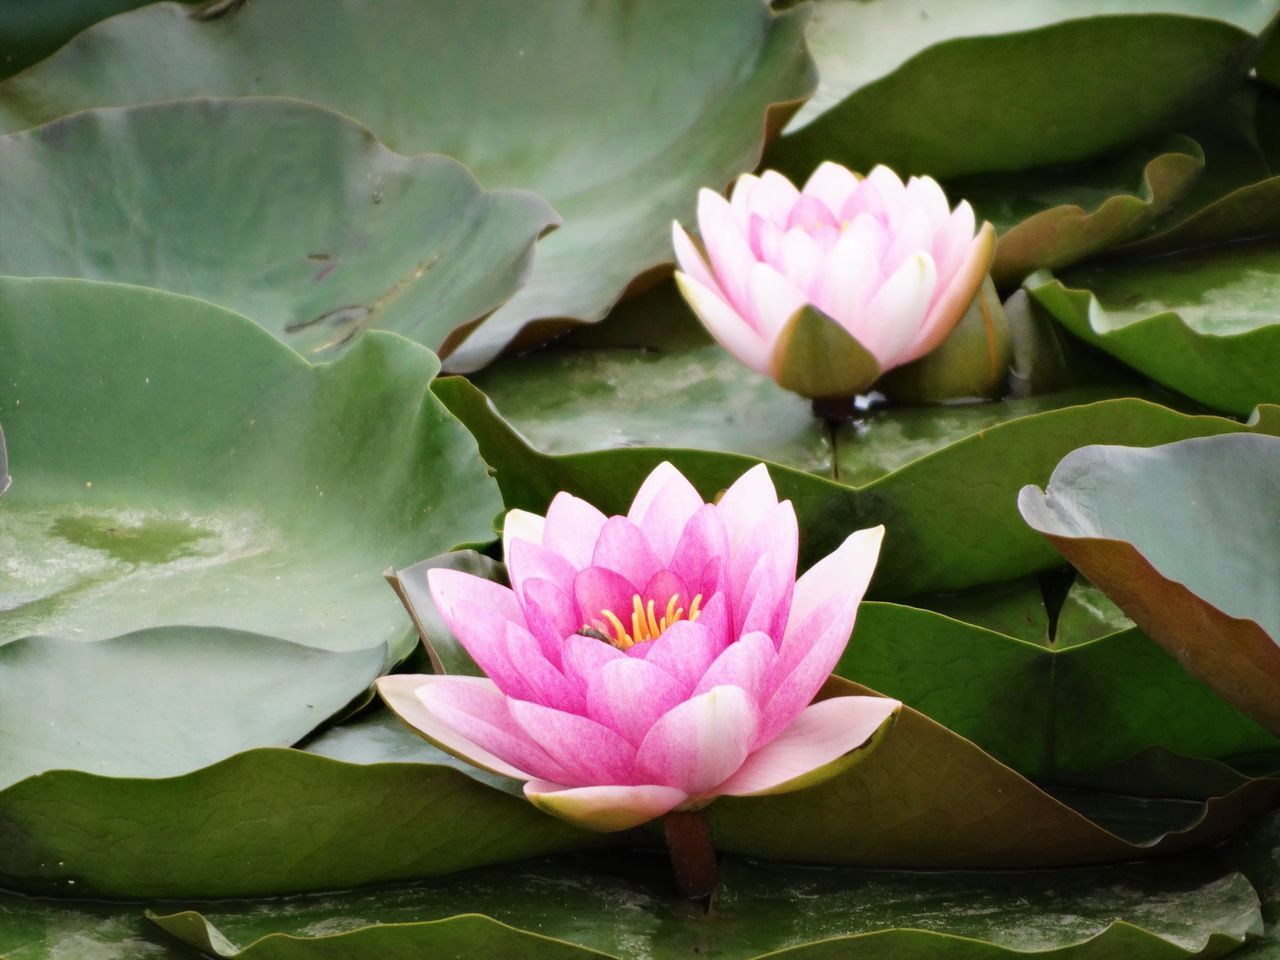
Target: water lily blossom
827	287
651	663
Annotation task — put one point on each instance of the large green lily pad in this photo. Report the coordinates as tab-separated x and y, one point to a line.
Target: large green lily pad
180	468
615	112
592	908
283	211
1201	322
1052	219
617	411
165	701
915	86
1048	709
1191	559
30	30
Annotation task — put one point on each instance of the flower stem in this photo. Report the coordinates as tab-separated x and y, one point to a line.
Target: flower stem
693	858
836	411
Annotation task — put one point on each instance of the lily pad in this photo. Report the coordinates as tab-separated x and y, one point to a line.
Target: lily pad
283	211
875	59
1192	561
1052	219
617	412
205	476
165	701
264	822
1050	711
679	97
593	908
1201	322
30	30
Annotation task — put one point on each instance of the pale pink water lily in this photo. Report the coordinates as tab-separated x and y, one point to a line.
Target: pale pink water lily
827	287
650	663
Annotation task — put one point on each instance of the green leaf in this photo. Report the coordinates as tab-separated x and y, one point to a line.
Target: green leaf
876	57
897	808
944	479
1048	711
1202	322
265	822
165	701
616	112
1194	562
30	30
285	212
623	908
202	475
818	358
1054	218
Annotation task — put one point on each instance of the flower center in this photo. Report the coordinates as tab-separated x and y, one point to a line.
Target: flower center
645	624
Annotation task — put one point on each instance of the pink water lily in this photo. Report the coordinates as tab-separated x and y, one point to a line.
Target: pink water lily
650	663
827	287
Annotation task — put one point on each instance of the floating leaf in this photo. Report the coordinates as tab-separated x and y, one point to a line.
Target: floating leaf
1052	219
30	30
1048	711
165	701
285	212
616	412
1201	322
875	59
616	112
624	910
1192	560
205	476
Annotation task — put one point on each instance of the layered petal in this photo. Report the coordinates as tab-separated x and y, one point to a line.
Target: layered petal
587	752
724	323
818	745
700	743
572	528
604	809
663	506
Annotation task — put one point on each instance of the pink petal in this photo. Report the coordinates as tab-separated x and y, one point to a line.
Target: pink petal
689	258
775	535
596	590
751	497
662	586
888	185
629	695
763	602
589	752
684	651
810	213
724	323
807	751
526	560
773	197
763	237
774	299
572	528
846	570
912	236
799	259
520	525
806	661
585	657
466	717
925	194
955	299
952	242
542	681
747	663
832	184
605	809
479	612
552	614
849	277
701	742
663	505
744	189
701	546
623	549
726	246
897	312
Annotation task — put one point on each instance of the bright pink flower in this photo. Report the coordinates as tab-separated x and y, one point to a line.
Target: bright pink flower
651	662
887	264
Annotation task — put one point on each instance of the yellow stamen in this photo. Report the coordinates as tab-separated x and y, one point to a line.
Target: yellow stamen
646	625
